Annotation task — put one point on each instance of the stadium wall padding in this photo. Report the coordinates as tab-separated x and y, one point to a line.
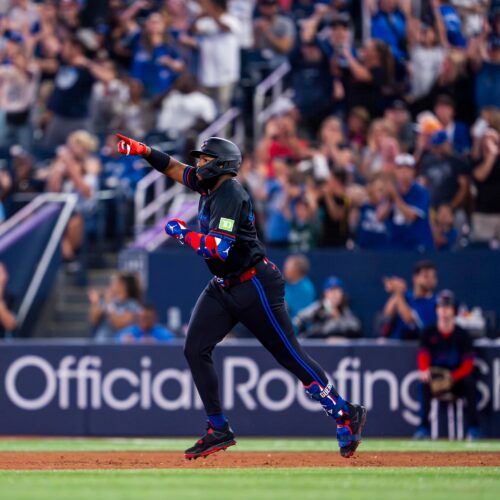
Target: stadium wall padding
175	277
21	258
80	389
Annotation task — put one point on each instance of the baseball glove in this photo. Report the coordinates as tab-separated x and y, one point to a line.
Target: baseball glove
441	380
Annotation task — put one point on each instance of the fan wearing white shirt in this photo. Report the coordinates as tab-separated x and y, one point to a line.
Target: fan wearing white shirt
217	39
184	108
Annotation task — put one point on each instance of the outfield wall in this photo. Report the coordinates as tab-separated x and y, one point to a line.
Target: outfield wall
85	389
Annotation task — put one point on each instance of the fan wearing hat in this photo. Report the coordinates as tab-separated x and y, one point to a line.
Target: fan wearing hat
409	225
329	317
446	350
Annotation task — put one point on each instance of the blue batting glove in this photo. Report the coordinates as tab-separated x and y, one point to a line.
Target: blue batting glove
177	229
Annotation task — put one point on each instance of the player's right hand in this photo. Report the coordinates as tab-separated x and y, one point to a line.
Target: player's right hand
127	146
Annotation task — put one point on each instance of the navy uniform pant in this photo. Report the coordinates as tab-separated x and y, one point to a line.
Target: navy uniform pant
259	305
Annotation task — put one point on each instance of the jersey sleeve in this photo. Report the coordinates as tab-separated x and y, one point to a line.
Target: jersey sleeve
190	180
225	214
419	202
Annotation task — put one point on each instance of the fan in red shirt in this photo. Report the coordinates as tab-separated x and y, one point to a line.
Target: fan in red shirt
281	141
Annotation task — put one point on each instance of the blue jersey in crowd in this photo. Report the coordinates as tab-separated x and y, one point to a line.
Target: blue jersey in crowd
278	226
158	333
122	171
371	233
416	235
391	28
453	25
148	68
299	295
488	85
424	312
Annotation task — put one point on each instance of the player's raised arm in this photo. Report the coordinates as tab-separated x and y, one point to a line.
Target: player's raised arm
160	161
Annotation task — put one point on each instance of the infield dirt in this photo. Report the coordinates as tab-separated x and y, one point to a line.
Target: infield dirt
233	459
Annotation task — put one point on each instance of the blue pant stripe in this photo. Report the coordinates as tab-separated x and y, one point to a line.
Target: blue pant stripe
281	333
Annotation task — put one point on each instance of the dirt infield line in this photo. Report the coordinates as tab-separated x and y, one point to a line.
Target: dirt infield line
231	459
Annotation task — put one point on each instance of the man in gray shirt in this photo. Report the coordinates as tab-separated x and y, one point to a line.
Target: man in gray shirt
274	33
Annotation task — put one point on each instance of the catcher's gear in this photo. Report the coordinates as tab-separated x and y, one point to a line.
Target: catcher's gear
226	158
214	440
127	146
441	380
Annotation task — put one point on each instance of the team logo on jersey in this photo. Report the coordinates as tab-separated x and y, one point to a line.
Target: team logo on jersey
226	224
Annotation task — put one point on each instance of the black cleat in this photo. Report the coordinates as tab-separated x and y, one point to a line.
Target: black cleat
349	431
214	440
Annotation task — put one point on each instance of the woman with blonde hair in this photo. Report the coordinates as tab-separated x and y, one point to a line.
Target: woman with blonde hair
76	170
373	158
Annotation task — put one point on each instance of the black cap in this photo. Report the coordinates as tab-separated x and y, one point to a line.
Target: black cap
446	298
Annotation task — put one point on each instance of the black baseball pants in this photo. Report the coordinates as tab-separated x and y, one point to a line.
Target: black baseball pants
259	304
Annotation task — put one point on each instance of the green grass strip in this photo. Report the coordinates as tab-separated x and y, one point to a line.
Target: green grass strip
261	484
244	444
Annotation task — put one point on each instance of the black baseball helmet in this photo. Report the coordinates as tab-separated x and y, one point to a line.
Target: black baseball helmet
227	157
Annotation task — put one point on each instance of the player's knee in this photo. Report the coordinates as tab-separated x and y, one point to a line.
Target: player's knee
192	351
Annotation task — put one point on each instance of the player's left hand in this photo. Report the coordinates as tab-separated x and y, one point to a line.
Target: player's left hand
177	229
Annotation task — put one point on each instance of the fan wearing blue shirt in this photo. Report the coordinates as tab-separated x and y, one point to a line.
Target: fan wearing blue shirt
372	232
299	289
408	312
155	62
146	330
389	24
453	25
409	225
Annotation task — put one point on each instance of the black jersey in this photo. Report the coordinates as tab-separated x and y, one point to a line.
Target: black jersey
227	212
447	351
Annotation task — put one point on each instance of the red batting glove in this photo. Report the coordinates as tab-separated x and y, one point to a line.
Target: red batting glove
127	146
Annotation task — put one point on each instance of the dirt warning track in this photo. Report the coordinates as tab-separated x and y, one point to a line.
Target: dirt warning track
233	459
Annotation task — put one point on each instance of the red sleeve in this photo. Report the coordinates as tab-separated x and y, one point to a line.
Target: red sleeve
464	369
423	360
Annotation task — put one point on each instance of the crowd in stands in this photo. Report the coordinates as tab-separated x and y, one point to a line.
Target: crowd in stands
118	313
409	310
387	141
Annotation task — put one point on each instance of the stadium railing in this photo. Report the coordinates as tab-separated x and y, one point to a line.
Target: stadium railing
23	225
274	83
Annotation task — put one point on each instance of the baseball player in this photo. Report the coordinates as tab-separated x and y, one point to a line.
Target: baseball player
246	288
